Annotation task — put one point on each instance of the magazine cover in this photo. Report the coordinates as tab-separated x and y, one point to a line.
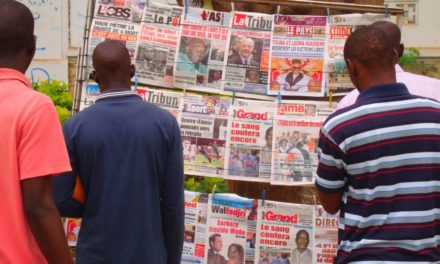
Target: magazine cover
284	233
249	141
203	126
156	48
201	52
248	53
297	55
296	136
341	26
326	235
227	229
196	210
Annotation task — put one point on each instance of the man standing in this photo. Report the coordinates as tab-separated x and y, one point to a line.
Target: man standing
215	246
295	79
128	154
301	254
31	150
417	84
380	162
244	56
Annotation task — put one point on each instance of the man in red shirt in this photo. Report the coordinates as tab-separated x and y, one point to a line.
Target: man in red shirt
32	149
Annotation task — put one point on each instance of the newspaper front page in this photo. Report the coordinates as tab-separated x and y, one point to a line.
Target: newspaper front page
196	210
297	55
248	53
155	50
249	141
227	229
326	235
71	228
341	27
284	233
203	126
201	53
296	135
168	100
89	92
128	10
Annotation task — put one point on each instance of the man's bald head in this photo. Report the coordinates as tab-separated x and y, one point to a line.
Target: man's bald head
16	33
112	64
392	31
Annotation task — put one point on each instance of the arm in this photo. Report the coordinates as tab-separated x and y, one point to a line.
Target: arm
331	177
44	220
172	199
64	184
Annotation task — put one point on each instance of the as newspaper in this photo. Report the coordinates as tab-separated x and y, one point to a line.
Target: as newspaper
249	141
295	141
341	26
229	229
326	235
155	50
284	233
196	210
165	99
202	49
248	53
203	126
297	55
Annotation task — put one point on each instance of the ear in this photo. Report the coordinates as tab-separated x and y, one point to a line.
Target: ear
132	70
401	49
351	67
396	56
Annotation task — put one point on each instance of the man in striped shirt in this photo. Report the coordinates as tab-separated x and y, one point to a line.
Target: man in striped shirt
380	162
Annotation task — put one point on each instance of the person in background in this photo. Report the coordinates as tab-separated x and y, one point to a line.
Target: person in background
379	162
416	84
32	149
128	155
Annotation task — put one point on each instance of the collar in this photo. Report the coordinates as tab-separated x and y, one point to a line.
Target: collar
115	93
11	74
382	90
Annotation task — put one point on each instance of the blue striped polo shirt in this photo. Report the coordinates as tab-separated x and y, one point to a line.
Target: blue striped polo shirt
383	154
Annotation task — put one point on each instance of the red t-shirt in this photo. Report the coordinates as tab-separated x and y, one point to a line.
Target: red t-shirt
31	145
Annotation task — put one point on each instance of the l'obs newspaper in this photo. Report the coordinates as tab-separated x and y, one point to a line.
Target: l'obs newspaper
284	233
296	135
155	50
249	141
168	100
297	55
326	235
203	126
248	54
227	229
128	10
341	27
196	210
201	53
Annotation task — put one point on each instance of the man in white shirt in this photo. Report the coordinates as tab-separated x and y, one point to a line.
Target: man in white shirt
295	79
301	254
417	84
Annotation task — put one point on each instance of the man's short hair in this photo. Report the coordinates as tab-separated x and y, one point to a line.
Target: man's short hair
370	47
304	232
212	238
194	41
16	27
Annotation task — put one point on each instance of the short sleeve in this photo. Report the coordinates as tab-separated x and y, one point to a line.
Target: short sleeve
331	175
41	148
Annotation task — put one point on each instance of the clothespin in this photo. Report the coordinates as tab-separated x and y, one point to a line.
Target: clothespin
232	7
186	4
233	97
387	14
214	188
328	14
263	197
314	199
330	99
279	98
278	9
136	83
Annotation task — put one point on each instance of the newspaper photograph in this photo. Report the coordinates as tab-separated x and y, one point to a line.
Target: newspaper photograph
89	92
203	126
248	53
128	10
196	210
168	100
249	141
226	237
296	135
156	48
201	52
72	227
284	233
326	235
341	27
297	55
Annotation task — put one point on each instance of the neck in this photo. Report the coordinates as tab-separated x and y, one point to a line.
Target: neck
110	85
12	63
384	77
